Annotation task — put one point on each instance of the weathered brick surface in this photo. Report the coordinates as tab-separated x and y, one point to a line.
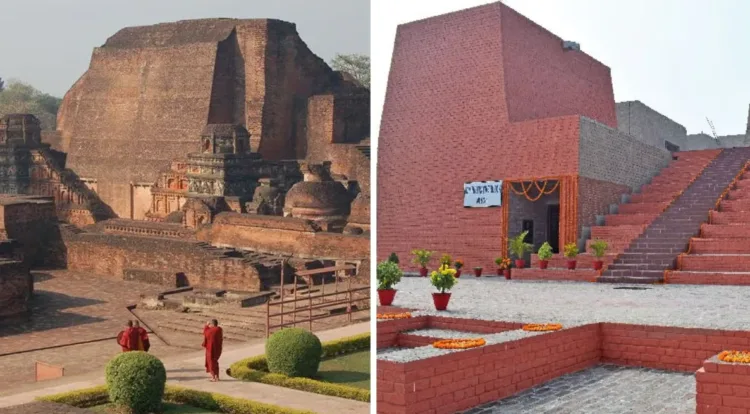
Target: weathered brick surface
16	287
594	198
722	262
257	73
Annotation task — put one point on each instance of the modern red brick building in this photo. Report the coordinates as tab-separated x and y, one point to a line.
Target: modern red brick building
486	94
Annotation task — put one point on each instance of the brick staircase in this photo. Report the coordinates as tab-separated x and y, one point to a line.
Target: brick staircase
632	218
721	254
656	250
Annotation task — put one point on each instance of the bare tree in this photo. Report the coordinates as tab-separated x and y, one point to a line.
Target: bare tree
356	65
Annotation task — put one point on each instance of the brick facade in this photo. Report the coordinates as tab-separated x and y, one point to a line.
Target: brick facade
472	107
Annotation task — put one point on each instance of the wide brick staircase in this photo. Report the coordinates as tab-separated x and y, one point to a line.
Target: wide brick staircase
656	250
721	254
631	220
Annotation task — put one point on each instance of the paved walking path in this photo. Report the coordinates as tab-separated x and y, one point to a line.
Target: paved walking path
188	371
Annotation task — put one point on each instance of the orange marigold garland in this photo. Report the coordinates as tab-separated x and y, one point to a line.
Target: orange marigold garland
459	343
741	357
405	315
541	327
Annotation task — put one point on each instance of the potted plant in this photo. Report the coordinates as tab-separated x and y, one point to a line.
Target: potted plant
519	247
393	258
443	279
544	253
458	264
422	258
503	266
599	247
571	251
389	274
478	271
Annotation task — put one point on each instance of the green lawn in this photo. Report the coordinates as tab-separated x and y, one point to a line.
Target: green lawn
169	408
352	369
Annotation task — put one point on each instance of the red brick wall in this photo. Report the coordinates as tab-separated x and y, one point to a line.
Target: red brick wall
722	388
594	197
675	349
544	80
446	121
461	380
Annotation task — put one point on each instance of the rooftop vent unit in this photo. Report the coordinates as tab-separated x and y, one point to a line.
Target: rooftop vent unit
568	45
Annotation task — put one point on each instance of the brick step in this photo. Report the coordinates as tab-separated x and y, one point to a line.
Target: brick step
656	266
615	246
652	197
744	182
626	232
577	275
253	325
739	193
635	278
191	329
642	208
583	261
709	278
716	262
646	257
725	231
720	246
730	217
735	205
628	219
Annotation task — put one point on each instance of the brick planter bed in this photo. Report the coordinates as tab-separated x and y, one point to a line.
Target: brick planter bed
428	380
722	387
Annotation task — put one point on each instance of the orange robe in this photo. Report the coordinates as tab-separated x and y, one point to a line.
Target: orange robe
145	344
213	339
129	340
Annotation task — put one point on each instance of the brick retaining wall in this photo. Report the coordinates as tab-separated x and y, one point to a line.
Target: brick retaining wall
722	387
465	379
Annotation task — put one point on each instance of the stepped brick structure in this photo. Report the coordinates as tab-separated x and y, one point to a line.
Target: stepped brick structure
535	116
174	126
720	254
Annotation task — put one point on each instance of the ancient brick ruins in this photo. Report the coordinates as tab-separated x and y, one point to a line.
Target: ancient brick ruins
216	151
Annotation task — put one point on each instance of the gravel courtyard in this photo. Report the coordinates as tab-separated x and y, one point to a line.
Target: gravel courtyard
571	303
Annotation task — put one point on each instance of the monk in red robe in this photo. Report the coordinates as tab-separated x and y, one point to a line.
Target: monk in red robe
213	339
144	344
129	339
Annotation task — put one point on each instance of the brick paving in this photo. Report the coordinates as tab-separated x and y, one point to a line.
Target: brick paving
70	308
603	389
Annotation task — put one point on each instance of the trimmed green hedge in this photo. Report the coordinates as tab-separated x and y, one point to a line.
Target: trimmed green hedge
294	352
256	369
136	380
91	397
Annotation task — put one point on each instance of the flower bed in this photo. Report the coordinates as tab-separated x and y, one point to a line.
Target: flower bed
256	369
386	316
544	327
737	357
459	343
92	397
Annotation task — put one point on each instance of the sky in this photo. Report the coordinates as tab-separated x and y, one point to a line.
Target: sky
48	43
686	59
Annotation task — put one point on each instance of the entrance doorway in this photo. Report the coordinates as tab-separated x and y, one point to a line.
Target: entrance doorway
553	227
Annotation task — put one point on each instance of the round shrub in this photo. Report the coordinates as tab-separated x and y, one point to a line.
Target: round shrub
294	352
135	381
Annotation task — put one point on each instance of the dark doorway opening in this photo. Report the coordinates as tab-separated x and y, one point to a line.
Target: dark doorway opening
553	227
528	225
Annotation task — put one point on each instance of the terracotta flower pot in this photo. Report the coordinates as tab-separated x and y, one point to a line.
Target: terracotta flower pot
441	300
477	272
506	273
386	296
458	273
423	272
520	263
571	264
543	264
598	264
